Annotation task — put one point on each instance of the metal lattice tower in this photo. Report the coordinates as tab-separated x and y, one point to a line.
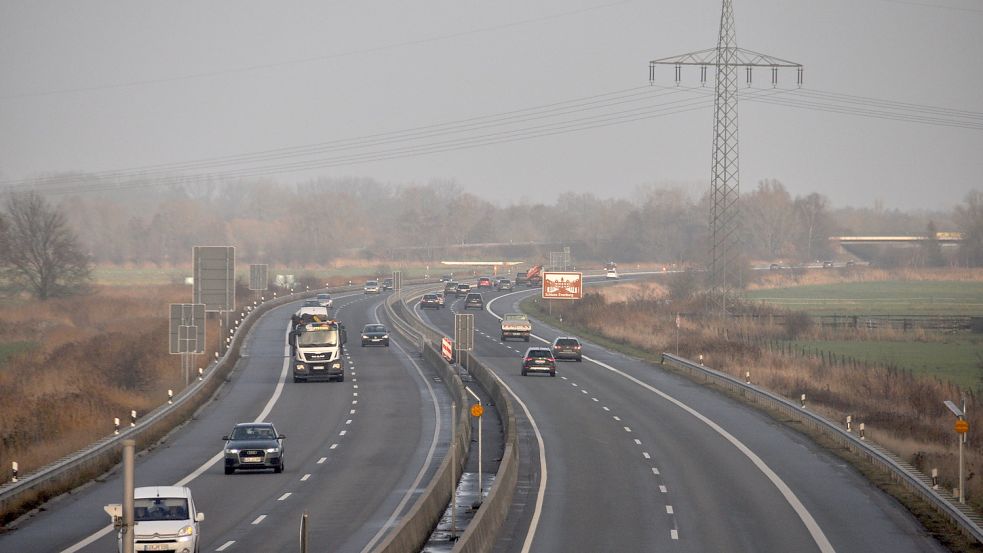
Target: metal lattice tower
724	274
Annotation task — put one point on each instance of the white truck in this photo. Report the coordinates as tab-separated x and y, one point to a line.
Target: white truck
318	351
516	325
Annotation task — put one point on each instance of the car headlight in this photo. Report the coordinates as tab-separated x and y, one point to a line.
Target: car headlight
186	531
300	367
386	336
364	337
272	449
336	365
232	450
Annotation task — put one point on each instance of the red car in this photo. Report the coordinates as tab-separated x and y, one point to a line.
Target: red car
485	282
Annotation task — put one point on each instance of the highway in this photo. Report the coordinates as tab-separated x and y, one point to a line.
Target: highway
356	455
638	459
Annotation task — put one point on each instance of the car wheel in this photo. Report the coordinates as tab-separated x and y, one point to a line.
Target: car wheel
387	343
503	338
341	378
296	380
363	344
580	359
524	373
553	372
229	470
279	468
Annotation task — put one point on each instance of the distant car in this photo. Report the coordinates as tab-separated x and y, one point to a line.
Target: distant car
566	347
774	267
446	278
254	445
538	359
474	300
827	264
450	287
325	300
462	290
166	520
430	300
503	284
441	298
375	334
387	284
851	263
611	275
372	287
484	282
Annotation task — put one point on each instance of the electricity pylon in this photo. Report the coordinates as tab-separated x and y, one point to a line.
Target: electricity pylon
725	245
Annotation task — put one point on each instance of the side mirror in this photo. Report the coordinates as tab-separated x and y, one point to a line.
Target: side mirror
281	437
199	517
225	438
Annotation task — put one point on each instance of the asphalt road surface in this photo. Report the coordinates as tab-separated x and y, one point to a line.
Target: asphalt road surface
638	459
357	452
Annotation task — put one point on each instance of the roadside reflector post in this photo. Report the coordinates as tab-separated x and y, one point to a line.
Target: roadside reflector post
201	373
115	426
13	471
747	377
170	396
303	533
849	423
803	401
862	431
133	418
701	358
935	478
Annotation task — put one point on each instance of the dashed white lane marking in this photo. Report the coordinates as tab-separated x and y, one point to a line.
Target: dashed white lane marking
655	471
285	496
349	421
355	386
594	398
352	412
323	459
343	432
354	379
627	429
333	446
258	519
574	384
354	402
305	477
225	545
617	418
563	377
605	408
638	442
668	509
674	534
663	489
646	455
355	394
584	391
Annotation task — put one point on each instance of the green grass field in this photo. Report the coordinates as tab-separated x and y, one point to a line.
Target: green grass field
957	359
879	298
13	348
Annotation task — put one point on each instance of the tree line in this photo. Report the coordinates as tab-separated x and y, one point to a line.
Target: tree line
48	243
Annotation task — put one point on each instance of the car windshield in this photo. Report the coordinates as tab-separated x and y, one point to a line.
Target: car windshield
160	508
430	297
323	297
318	338
566	342
253	433
372	283
311	303
538	353
374	328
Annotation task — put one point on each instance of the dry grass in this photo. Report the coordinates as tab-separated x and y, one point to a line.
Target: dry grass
791	277
902	412
97	357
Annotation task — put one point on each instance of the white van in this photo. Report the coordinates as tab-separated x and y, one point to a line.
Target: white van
166	520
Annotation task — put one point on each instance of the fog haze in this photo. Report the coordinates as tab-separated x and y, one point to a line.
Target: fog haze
105	86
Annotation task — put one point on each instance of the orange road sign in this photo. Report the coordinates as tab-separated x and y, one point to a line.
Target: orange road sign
477	410
962	426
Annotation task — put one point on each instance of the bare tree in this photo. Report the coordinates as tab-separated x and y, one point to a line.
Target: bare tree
969	217
38	251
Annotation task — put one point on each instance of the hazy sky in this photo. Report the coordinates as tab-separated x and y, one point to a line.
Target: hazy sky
105	86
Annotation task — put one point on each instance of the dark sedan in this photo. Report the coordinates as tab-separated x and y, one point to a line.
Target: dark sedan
254	445
566	347
375	335
538	360
431	301
474	300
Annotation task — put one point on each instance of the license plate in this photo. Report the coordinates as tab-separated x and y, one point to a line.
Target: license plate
540	361
158	547
318	367
252	459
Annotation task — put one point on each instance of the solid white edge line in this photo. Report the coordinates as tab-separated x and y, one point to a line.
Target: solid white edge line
207	464
541	493
426	464
804	515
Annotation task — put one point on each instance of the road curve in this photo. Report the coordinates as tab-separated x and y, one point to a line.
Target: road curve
630	469
356	452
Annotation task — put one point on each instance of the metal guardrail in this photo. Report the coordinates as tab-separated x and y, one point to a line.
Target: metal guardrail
73	470
967	521
482	532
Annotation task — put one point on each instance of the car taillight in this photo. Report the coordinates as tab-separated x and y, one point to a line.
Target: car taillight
527	359
576	347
